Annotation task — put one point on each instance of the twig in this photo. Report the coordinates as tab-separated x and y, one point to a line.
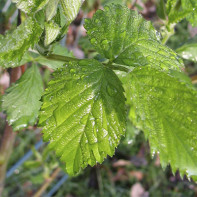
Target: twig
47	183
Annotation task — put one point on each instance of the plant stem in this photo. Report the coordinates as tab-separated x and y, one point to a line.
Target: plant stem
47	183
169	32
61	58
68	59
118	67
8	138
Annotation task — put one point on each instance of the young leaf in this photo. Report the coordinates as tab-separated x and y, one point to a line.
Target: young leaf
165	108
124	37
51	32
179	9
51	9
83	114
21	101
71	9
14	45
30	6
189	50
161	9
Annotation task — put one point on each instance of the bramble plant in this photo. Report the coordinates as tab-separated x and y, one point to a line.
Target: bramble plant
83	110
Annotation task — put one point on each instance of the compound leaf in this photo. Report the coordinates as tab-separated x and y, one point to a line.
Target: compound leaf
124	37
21	101
165	108
83	114
14	45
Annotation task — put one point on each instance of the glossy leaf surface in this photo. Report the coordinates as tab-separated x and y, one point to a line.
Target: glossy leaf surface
165	108
83	114
189	50
21	101
124	37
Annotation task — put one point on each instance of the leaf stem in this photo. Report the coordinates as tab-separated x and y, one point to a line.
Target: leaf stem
68	59
118	67
60	58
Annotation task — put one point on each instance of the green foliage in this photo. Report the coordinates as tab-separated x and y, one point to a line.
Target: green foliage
189	50
71	9
179	9
164	107
52	30
83	111
124	37
83	114
14	45
30	6
54	64
51	9
21	101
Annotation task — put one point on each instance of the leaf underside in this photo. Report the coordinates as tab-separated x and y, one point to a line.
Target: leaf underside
21	101
83	114
124	37
14	45
30	6
165	108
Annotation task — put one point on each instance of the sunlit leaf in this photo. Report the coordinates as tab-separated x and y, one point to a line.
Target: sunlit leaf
83	114
124	37
21	101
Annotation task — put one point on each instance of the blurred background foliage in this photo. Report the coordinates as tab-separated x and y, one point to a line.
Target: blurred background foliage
132	171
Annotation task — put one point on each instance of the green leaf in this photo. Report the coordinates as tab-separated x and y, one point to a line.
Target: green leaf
165	108
51	32
30	6
57	50
161	9
124	37
14	45
189	50
51	9
21	101
83	114
180	9
71	9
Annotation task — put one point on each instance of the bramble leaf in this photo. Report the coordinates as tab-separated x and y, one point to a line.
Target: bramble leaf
71	8
51	9
189	50
14	45
165	108
30	6
178	10
83	114
52	30
54	64
21	101
124	37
